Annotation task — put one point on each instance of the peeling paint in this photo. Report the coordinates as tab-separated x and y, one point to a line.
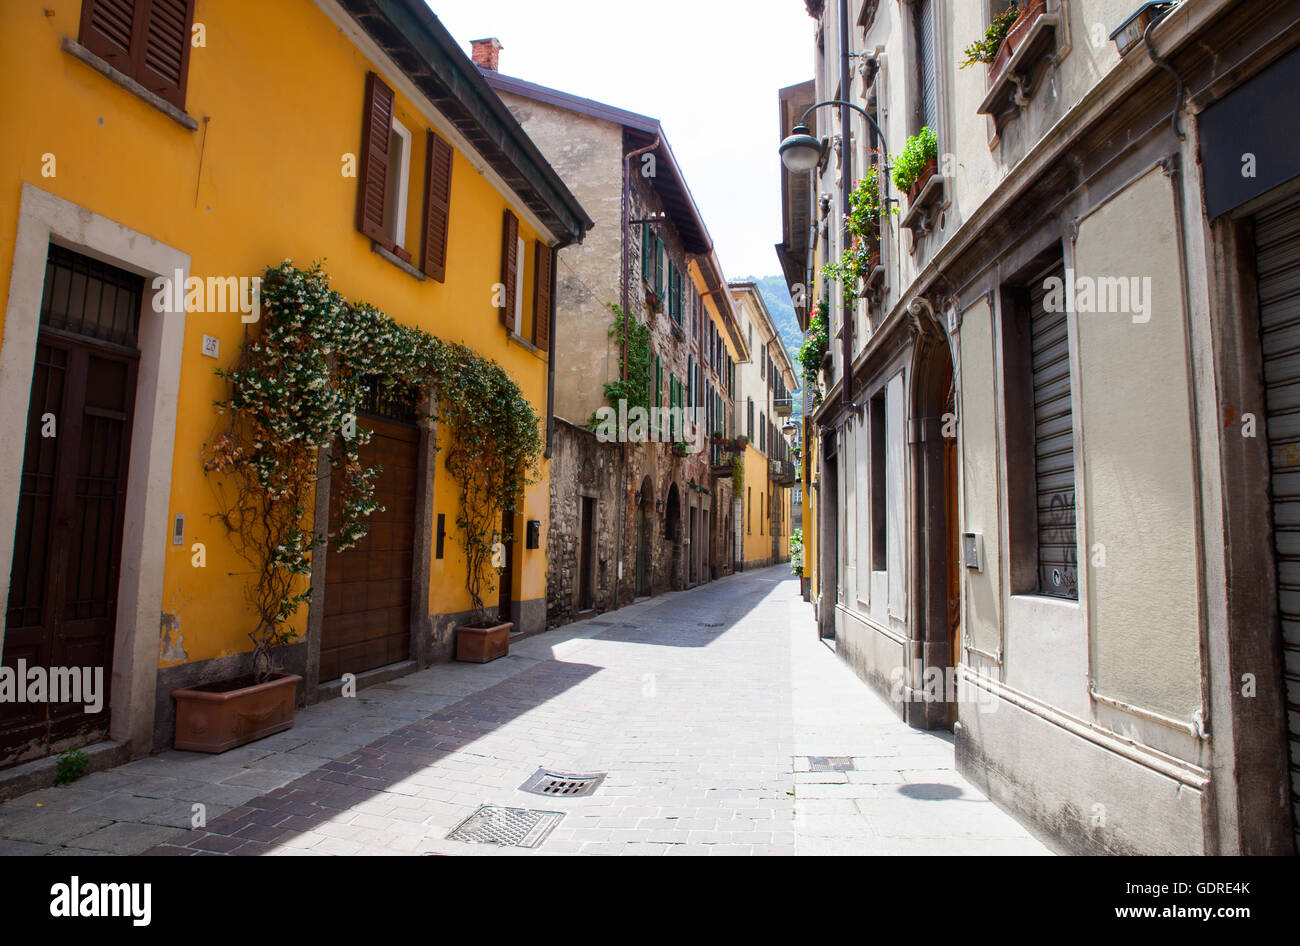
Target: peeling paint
172	649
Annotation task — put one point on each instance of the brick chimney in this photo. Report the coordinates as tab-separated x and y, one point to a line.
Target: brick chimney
487	52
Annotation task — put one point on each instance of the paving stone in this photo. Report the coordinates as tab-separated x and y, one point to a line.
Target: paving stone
127	837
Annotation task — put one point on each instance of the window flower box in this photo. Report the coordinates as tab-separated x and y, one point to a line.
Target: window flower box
1031	39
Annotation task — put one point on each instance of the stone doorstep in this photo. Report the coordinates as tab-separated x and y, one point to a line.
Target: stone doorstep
334	688
41	773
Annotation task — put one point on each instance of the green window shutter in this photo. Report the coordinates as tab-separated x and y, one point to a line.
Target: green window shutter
645	251
659	266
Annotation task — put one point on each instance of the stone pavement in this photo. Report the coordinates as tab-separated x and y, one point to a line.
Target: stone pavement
723	724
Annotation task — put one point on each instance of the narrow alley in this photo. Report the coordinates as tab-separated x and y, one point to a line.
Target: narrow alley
720	723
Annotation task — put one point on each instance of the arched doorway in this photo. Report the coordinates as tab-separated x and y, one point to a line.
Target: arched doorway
934	645
673	535
645	511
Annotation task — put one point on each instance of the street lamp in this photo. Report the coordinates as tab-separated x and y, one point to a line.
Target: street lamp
789	428
800	152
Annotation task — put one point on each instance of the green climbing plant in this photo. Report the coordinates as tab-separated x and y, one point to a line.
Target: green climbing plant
862	234
816	341
295	391
633	339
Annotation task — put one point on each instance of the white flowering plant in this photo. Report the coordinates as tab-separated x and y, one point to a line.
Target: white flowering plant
295	391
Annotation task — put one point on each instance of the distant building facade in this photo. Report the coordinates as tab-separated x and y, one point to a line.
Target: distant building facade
631	515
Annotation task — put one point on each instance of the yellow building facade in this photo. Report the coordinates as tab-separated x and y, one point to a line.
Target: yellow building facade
237	152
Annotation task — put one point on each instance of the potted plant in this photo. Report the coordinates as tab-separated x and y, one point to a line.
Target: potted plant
986	50
862	228
654	301
294	397
918	163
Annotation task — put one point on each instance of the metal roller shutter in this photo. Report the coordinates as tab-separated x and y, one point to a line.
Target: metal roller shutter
1277	256
1058	572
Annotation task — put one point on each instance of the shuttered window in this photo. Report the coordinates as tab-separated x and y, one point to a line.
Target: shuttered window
1277	262
1053	442
647	244
659	266
510	270
148	40
927	105
376	138
382	182
543	302
437	206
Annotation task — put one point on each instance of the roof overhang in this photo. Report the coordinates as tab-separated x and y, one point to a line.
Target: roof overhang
717	291
639	131
409	33
796	204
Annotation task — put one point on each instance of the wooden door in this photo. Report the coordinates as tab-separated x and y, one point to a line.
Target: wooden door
368	588
63	584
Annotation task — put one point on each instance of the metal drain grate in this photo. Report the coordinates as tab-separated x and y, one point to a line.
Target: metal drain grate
830	763
560	784
511	827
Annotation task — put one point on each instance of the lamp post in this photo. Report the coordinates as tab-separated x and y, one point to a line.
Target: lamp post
800	151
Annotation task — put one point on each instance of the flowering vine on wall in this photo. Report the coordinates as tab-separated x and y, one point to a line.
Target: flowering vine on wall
295	391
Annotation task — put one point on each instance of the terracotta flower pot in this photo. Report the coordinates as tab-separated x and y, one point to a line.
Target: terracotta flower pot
481	644
927	172
1011	43
218	716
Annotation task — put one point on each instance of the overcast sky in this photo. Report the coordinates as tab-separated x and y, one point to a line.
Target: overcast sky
709	70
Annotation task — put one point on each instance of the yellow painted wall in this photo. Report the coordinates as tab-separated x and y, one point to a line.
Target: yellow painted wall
758	537
278	91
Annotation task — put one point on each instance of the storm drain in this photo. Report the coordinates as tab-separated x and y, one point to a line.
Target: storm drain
558	784
830	763
511	827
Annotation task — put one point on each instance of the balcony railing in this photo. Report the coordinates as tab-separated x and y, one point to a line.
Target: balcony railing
781	472
782	406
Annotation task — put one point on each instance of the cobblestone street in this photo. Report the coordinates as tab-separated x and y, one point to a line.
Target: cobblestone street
723	725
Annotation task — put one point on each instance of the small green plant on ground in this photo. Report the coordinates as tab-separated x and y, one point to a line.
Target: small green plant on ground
919	151
71	766
796	552
986	50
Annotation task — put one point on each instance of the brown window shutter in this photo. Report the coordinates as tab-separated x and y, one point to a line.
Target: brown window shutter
109	28
164	61
437	207
376	129
542	302
510	268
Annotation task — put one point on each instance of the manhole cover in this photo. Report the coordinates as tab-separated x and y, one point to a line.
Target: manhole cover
830	763
512	827
544	782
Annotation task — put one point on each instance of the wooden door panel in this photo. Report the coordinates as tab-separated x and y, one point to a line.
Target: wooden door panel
368	587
